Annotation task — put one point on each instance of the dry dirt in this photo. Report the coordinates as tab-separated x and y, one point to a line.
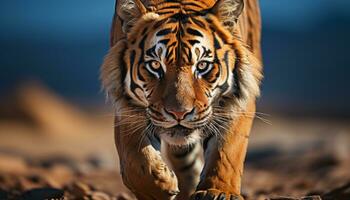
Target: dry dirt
51	150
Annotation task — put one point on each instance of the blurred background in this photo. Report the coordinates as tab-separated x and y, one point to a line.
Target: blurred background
49	84
305	46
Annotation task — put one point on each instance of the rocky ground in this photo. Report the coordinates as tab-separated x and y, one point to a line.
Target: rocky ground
51	150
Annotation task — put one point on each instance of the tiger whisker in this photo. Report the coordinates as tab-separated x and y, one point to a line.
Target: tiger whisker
225	110
143	135
129	123
248	114
135	130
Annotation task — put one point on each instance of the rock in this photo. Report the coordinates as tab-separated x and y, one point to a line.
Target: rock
8	182
97	196
59	175
80	189
3	194
292	198
340	193
29	183
43	193
311	198
12	164
61	160
124	196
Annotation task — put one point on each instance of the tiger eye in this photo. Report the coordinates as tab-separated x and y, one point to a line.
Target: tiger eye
202	65
155	64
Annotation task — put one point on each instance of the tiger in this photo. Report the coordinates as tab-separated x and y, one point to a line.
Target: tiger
183	78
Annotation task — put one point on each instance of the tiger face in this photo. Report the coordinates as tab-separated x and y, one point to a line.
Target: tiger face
183	65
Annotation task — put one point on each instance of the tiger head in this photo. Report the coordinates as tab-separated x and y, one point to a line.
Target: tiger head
184	64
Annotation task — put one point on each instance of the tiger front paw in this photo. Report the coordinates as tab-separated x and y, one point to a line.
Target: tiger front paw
150	178
214	194
165	178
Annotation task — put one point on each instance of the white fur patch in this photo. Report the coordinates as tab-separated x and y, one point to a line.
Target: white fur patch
175	140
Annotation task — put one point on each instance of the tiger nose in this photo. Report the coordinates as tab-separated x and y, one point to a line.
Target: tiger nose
178	114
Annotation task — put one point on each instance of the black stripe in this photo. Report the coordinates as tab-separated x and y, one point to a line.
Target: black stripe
165	12
168	53
163	32
142	42
150	94
171	60
171	7
193	42
210	21
206	141
140	76
196	3
170	50
226	61
132	58
225	86
159	23
122	68
151	52
236	87
179	46
165	41
199	23
194	32
172	44
216	42
172	20
192	3
181	17
188	53
144	30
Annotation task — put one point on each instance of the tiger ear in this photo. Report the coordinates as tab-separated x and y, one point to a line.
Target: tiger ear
228	11
129	11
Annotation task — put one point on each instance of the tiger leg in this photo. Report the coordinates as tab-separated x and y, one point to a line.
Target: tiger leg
142	168
187	163
224	158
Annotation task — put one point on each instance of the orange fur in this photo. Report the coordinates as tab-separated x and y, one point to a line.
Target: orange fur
228	32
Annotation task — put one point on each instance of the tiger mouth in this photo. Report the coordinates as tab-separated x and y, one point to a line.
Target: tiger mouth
180	135
185	125
178	130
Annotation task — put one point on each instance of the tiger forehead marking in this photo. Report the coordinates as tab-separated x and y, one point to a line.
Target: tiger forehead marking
180	43
188	6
